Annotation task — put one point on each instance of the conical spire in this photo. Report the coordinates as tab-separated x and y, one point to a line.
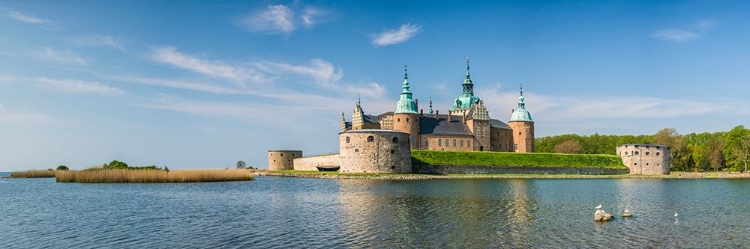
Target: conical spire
467	97
406	104
430	104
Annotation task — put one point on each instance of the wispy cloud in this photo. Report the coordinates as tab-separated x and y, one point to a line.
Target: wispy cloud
97	41
685	35
322	72
310	15
390	37
23	117
57	56
78	86
27	18
274	19
217	69
675	35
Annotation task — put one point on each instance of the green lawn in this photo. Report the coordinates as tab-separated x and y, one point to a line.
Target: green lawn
477	158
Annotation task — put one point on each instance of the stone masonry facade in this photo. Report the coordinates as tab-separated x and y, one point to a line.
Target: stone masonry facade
645	159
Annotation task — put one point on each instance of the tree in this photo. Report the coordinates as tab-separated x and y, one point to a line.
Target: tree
679	151
116	165
241	164
569	147
715	154
62	167
737	147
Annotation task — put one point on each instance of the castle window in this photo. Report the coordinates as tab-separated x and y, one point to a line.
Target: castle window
635	164
440	142
347	139
398	120
393	167
370	139
426	144
395	140
647	153
468	143
454	142
462	143
407	119
636	153
519	133
626	153
646	164
393	152
515	147
282	154
658	147
356	150
657	153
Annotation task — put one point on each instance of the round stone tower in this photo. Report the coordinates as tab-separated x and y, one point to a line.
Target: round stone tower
374	151
648	159
406	118
282	159
523	127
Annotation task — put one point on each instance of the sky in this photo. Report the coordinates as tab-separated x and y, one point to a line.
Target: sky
204	84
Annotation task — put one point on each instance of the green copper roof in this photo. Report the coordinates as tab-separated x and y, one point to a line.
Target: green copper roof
521	114
467	98
406	104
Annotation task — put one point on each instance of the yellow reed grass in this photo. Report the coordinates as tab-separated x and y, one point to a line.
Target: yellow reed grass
154	176
34	173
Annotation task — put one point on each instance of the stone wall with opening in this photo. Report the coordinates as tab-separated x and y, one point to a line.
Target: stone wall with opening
374	151
282	159
646	159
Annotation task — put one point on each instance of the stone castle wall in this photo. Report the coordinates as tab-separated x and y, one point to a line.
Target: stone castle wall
311	163
374	151
282	159
647	159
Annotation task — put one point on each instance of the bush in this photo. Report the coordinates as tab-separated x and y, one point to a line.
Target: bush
62	167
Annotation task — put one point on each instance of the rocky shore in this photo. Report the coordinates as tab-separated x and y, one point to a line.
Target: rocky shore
674	175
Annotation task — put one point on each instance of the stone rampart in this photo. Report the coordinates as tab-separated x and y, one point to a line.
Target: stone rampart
461	169
374	151
311	163
647	159
282	159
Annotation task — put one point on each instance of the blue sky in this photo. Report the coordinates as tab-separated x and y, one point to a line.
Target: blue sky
199	84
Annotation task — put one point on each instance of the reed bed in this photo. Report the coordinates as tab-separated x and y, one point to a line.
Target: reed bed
34	173
154	176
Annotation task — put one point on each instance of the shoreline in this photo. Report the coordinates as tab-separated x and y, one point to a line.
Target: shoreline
673	175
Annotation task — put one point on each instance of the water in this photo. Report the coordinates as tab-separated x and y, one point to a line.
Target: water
324	213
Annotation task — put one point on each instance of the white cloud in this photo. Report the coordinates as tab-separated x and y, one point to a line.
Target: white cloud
98	41
23	117
64	57
275	19
79	86
706	24
217	69
369	89
26	18
179	84
310	15
390	37
675	35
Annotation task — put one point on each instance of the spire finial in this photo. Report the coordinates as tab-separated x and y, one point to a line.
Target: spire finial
521	89
359	102
467	67
406	75
430	104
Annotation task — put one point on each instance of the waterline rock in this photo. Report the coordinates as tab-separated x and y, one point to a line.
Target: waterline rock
600	216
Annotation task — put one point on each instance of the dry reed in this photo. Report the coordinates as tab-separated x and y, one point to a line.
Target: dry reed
154	176
34	173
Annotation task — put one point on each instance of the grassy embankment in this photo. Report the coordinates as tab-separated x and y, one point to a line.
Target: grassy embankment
34	173
153	176
475	158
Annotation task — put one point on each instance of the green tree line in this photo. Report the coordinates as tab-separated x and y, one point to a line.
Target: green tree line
689	152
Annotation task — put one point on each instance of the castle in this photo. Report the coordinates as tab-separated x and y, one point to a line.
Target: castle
645	159
383	143
467	126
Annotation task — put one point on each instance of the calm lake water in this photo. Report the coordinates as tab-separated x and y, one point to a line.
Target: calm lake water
323	213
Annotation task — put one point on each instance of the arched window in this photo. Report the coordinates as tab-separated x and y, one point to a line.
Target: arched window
370	139
407	119
347	139
657	153
395	140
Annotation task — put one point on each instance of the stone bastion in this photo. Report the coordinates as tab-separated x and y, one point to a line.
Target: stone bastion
374	151
645	159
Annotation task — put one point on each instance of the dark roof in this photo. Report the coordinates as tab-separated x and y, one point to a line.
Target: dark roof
494	123
370	119
429	124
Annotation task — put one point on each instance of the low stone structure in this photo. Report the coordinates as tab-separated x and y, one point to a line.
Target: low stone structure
647	159
470	169
312	162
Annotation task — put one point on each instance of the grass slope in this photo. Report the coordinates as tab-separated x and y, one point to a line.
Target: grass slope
476	158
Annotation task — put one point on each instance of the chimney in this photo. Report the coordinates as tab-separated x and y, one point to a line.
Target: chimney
463	118
437	114
421	112
449	116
